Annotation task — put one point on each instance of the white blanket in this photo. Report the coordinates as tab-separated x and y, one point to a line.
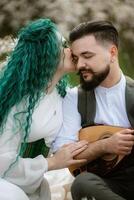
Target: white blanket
60	182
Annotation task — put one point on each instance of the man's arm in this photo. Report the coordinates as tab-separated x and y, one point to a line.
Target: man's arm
121	143
94	150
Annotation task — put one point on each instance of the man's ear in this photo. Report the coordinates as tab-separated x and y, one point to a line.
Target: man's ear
113	52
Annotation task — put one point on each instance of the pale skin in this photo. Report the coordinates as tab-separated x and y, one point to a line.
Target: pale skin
65	66
89	53
64	157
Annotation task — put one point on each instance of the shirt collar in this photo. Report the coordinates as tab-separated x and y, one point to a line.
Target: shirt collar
118	86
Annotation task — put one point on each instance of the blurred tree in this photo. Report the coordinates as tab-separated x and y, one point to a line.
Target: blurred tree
68	13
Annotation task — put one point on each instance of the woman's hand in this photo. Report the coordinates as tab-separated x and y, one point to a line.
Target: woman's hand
64	157
66	65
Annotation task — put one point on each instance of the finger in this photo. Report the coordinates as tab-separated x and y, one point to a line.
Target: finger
132	132
79	161
79	144
66	145
78	147
82	142
127	143
128	138
77	151
126	151
71	144
75	145
127	131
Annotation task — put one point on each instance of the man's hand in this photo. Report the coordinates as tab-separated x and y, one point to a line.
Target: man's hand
120	143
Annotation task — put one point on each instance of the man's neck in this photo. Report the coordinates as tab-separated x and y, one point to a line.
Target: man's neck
112	79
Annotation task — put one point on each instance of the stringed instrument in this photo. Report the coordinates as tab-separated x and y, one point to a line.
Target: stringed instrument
101	165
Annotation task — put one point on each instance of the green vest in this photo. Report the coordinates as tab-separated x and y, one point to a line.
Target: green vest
87	104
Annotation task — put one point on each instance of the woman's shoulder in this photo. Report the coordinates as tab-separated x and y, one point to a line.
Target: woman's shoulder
71	96
72	92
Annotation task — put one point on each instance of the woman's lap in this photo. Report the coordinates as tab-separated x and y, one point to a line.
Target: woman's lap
9	191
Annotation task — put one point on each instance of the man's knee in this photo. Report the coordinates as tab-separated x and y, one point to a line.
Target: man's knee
85	179
80	185
85	184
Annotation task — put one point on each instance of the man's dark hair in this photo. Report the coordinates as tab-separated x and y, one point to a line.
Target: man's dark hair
103	31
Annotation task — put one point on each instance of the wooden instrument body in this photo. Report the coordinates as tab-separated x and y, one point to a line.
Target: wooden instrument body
104	164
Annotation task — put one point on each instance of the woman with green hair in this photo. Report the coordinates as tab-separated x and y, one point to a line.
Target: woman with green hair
31	93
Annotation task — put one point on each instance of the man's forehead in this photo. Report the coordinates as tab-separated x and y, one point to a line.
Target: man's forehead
87	39
87	43
84	44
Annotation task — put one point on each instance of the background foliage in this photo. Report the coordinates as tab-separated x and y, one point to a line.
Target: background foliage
67	14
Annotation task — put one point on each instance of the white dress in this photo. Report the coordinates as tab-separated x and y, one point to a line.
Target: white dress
28	173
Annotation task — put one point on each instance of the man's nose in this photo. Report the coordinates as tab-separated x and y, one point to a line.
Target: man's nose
80	64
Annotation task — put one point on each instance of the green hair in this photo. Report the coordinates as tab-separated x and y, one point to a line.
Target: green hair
30	67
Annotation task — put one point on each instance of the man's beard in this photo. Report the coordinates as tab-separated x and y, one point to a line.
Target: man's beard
96	79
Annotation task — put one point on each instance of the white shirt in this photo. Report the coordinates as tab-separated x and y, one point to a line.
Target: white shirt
110	110
46	122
